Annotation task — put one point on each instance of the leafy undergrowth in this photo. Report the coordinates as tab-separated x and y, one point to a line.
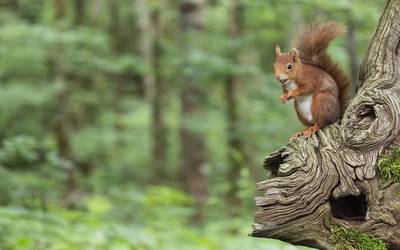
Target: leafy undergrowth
350	239
155	219
389	166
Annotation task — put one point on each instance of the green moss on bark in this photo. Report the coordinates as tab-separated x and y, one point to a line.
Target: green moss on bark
351	239
389	166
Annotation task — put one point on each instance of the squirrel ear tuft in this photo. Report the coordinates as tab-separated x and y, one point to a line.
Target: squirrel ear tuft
278	51
294	54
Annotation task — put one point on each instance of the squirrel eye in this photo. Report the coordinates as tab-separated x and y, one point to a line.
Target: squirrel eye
289	66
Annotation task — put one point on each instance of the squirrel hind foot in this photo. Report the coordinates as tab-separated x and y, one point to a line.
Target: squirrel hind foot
311	130
308	132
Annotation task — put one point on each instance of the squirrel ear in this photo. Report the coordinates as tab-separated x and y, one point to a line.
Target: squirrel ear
294	54
278	51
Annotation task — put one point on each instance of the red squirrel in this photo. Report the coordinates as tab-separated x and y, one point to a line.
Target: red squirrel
308	74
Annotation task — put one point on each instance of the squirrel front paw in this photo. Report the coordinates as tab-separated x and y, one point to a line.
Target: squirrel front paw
284	98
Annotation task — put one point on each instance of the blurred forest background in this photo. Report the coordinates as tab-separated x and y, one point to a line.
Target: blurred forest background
142	124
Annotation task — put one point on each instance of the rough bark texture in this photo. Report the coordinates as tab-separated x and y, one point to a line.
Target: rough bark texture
330	178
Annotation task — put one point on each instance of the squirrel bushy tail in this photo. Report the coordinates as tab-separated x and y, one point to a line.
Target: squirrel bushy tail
312	43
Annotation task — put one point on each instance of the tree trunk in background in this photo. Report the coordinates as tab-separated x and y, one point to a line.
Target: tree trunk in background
331	179
85	167
113	26
151	51
61	122
145	31
79	12
159	130
114	30
59	10
193	149
62	137
235	148
212	2
352	49
14	5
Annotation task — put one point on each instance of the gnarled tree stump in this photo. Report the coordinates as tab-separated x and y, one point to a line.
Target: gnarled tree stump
331	179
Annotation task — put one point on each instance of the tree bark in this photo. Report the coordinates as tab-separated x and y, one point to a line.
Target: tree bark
235	143
193	149
330	179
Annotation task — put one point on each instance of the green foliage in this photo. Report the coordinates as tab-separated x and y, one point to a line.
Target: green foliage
28	189
351	239
52	227
389	166
19	151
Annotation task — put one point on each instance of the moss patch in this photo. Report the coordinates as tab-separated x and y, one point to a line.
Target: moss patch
389	166
350	239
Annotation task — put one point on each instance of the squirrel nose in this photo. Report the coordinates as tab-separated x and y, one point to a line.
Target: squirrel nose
281	79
